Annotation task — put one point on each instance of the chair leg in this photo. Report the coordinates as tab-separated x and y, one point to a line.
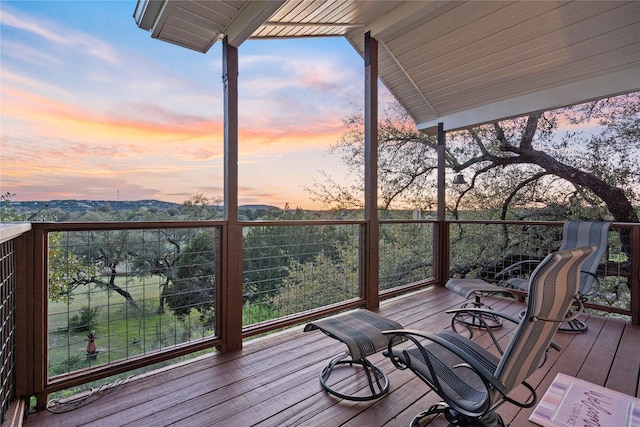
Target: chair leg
491	419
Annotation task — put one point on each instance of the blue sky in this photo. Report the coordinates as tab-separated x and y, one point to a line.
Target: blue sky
94	108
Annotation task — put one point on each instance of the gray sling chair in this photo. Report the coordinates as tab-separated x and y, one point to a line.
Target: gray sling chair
471	381
575	234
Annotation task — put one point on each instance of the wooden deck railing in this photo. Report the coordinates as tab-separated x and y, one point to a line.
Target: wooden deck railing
8	306
408	260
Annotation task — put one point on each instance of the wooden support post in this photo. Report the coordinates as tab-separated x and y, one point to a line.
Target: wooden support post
441	244
229	313
371	241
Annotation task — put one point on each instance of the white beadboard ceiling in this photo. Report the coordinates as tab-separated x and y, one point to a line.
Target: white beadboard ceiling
461	63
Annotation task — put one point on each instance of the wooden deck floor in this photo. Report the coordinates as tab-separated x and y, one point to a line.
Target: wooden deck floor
273	381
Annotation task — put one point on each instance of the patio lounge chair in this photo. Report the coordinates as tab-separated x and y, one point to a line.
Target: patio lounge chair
471	381
575	234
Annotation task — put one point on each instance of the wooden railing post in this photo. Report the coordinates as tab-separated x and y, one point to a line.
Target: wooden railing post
635	275
37	309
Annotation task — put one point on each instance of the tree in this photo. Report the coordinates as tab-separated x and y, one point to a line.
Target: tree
194	286
323	280
7	213
318	282
595	178
201	207
85	258
268	250
515	165
406	163
158	254
67	271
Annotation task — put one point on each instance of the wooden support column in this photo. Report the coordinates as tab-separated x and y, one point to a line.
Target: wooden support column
371	241
25	290
229	312
441	244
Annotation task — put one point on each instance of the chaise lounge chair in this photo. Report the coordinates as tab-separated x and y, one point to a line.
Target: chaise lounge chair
575	234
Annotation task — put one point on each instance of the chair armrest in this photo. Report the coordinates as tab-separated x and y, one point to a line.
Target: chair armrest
480	311
409	334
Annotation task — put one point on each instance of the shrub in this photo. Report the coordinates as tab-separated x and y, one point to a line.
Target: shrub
85	319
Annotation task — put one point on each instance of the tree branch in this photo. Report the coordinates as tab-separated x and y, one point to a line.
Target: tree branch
520	186
526	141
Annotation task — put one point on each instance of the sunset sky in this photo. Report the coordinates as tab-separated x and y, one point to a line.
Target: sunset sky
94	108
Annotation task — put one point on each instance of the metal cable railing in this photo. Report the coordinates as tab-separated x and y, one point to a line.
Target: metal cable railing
8	327
117	294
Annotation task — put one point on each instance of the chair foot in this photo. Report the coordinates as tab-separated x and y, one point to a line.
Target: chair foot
479	321
437	409
491	419
575	325
378	380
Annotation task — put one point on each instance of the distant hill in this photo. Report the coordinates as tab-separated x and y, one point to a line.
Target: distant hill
115	205
86	205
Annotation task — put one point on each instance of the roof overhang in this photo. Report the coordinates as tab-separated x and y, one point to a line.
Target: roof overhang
592	89
462	63
198	24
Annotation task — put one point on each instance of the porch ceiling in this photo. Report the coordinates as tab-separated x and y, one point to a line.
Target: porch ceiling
458	62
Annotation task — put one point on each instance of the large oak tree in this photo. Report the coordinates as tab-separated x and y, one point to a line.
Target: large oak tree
573	162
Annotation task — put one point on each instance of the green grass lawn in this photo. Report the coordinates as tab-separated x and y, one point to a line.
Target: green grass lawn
121	330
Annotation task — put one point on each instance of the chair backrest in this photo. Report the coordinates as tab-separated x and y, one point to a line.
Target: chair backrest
577	234
553	287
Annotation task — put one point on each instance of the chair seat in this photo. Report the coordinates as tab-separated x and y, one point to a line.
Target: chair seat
463	385
360	330
471	287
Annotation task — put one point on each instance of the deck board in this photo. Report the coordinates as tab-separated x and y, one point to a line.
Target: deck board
626	364
273	380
